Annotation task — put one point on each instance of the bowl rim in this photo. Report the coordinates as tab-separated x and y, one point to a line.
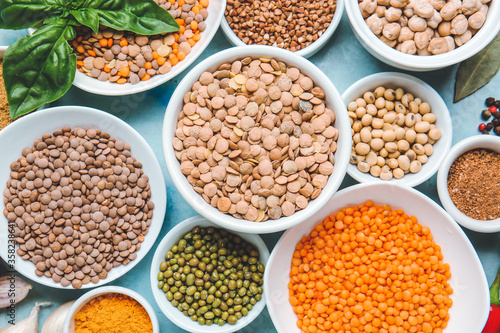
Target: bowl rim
428	169
272	310
90	295
120	129
172	313
107	89
306	52
465	145
186	189
423	63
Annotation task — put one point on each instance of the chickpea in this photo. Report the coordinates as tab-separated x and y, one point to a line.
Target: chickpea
444	28
437	4
469	7
451	42
416	23
409	47
408	11
434	20
476	20
423	52
449	11
391	31
375	24
459	25
389	42
393	14
403	21
438	45
380	11
421	40
398	3
383	2
423	8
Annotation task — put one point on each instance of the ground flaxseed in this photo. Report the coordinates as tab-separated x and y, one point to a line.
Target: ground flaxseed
4	104
474	184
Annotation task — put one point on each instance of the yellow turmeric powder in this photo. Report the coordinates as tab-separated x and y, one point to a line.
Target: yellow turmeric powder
113	313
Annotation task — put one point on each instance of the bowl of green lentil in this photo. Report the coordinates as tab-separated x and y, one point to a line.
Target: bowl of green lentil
401	129
200	286
467	183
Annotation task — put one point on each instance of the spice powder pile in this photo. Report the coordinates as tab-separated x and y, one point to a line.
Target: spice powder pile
4	104
289	24
474	184
113	313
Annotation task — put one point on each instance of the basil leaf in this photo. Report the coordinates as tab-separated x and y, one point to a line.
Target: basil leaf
143	17
88	17
22	14
39	69
478	70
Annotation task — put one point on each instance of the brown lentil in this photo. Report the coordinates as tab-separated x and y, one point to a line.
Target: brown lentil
121	56
89	218
474	184
289	24
264	171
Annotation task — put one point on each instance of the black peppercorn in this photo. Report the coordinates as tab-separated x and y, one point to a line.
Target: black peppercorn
485	132
496	122
497	130
496	115
490	101
486	114
497	103
489	127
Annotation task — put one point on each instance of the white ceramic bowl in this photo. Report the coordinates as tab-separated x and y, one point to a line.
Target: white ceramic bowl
92	85
49	120
398	59
333	101
474	142
69	322
172	313
471	302
307	52
419	89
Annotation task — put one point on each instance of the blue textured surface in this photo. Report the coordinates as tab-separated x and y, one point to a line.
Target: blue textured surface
345	61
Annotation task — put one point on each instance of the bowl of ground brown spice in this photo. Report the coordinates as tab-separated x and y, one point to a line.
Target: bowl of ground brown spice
468	183
111	309
300	26
4	104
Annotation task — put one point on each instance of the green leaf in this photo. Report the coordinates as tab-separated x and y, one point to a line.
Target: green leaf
143	17
478	70
88	17
22	14
39	69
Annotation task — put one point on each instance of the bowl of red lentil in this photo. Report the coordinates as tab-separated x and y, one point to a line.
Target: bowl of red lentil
116	63
111	308
302	27
468	183
433	35
377	256
296	147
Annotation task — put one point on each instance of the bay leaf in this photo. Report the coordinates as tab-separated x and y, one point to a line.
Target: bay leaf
478	70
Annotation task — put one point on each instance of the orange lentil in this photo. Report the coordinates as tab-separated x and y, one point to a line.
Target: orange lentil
196	10
369	269
106	68
148	65
75	44
80	49
121	81
179	20
123	42
146	77
124	71
79	63
204	3
181	3
79	39
103	42
181	55
182	29
161	60
194	25
91	53
197	36
110	42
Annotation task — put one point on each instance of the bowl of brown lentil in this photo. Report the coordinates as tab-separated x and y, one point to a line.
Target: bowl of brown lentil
303	27
111	308
425	35
373	248
93	197
116	63
275	135
468	183
401	129
231	298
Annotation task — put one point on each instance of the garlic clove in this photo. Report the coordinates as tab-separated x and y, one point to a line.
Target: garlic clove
6	291
28	325
55	321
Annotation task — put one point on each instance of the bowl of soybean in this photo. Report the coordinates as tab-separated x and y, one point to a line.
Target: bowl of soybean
419	89
208	292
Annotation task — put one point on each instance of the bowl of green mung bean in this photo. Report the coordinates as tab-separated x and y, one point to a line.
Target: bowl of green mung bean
207	279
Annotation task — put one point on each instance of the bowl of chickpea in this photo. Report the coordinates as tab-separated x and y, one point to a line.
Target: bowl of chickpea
424	35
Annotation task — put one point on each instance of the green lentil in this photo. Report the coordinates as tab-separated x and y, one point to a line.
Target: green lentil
212	276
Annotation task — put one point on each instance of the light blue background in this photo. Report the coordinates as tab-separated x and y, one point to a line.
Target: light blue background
344	61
